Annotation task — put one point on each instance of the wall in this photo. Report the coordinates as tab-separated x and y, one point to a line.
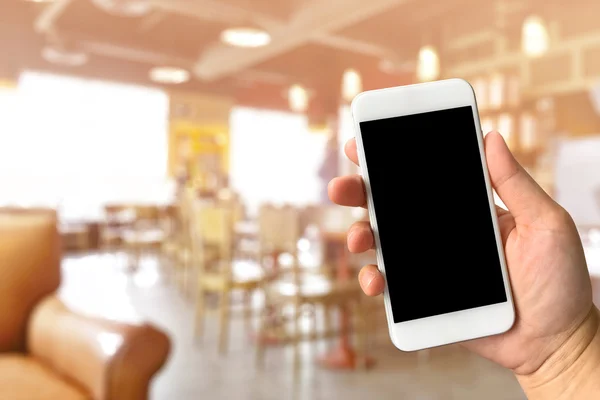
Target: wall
199	131
578	180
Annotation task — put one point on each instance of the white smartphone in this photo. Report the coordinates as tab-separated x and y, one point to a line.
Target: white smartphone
432	211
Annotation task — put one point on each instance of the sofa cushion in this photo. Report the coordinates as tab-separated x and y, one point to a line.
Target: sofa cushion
23	378
29	270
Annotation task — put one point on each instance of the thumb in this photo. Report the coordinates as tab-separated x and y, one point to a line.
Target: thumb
525	199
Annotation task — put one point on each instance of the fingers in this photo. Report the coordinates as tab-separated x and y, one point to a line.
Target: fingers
360	237
371	281
348	191
523	197
501	211
351	151
506	223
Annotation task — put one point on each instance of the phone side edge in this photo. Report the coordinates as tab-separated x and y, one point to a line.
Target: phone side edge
355	110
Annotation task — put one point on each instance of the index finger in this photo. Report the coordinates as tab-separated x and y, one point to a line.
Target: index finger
350	150
371	281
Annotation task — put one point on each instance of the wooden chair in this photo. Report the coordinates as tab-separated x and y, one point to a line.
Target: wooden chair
144	234
279	232
297	288
180	256
117	218
169	220
211	231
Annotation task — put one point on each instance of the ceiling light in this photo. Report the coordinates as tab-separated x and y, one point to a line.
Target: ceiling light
351	84
61	56
169	75
428	68
298	98
125	8
535	39
245	37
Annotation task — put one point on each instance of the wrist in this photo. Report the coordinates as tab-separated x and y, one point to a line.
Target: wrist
570	372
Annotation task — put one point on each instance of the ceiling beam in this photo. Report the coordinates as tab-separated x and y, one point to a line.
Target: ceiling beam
304	22
47	18
134	54
352	45
145	56
213	10
150	21
312	23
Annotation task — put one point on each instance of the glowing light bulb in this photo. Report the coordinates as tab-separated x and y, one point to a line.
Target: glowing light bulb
245	37
298	98
351	84
428	68
535	41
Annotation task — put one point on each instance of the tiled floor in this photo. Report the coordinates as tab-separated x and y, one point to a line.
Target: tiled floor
99	283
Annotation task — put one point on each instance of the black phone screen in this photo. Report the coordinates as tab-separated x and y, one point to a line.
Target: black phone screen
433	213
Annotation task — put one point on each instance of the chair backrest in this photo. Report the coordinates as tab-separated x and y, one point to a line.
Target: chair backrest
279	228
184	216
30	254
311	215
339	219
228	198
149	213
118	214
168	215
212	227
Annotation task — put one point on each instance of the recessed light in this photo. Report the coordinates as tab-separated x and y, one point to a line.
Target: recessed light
245	37
125	8
169	75
60	56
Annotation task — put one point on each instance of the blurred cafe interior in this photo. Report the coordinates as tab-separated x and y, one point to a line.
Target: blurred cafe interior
165	230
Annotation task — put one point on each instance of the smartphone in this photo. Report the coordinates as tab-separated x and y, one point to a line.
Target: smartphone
433	215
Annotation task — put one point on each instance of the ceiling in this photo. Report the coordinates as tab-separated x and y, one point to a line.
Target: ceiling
313	41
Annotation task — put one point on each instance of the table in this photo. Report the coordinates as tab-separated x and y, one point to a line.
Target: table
75	236
139	240
247	229
343	356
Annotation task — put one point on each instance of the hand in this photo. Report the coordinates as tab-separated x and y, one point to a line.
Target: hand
550	281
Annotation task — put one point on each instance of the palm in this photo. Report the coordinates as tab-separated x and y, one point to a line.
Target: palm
549	279
551	289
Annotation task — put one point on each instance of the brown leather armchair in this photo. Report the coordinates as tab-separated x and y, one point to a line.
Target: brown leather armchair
46	350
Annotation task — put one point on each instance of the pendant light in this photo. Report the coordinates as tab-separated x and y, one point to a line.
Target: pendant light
298	98
535	40
351	84
125	8
428	68
60	54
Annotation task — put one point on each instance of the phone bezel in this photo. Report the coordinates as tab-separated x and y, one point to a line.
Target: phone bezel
460	325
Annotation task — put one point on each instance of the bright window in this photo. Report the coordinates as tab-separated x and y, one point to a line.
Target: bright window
275	158
77	144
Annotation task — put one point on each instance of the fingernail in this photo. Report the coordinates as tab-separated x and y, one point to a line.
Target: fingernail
349	238
330	184
368	277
